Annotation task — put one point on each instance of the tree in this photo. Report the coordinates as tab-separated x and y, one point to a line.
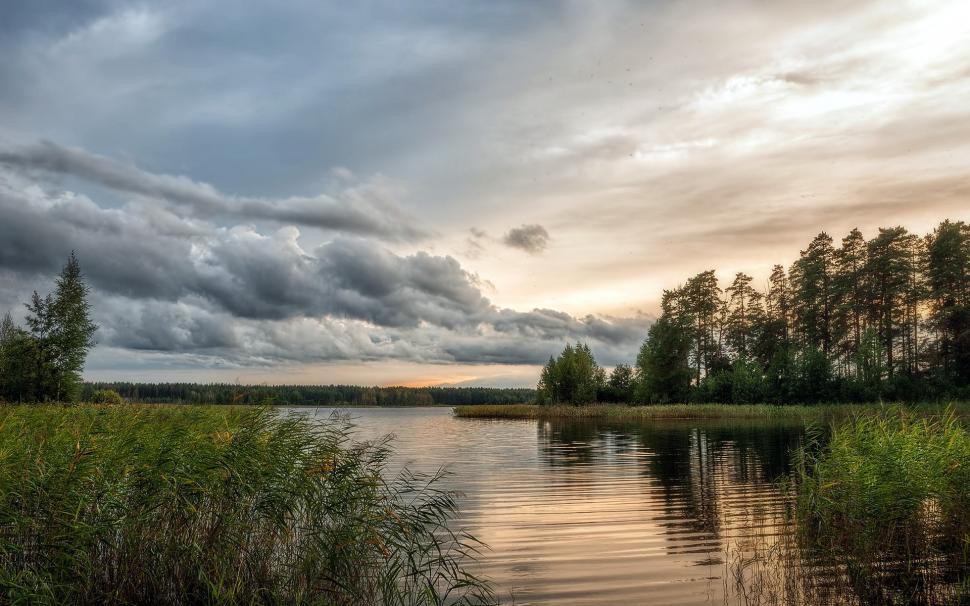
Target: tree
849	287
870	367
883	318
773	333
889	267
73	329
572	378
744	314
46	362
948	291
17	353
747	381
813	379
811	278
699	303
663	367
619	387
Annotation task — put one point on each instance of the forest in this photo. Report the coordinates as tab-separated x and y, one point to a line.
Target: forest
861	320
308	395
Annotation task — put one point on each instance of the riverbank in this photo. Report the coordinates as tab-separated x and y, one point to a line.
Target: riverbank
123	504
691	411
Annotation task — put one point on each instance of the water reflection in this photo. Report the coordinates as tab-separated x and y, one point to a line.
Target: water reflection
706	477
592	512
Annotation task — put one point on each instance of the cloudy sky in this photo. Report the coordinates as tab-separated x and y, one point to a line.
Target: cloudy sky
446	192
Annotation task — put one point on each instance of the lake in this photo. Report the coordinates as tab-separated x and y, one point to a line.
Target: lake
593	512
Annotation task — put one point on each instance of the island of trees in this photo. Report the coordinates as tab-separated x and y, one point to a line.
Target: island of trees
856	321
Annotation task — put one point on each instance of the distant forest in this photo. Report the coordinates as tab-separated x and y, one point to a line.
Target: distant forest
862	320
309	395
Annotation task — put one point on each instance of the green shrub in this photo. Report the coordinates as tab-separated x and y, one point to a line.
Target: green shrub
107	396
216	505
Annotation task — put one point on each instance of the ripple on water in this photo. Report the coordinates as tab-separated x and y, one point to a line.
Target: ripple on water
587	512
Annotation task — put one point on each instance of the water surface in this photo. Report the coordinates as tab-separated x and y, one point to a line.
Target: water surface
593	512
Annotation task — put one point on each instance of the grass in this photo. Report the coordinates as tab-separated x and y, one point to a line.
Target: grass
889	497
660	411
216	505
880	515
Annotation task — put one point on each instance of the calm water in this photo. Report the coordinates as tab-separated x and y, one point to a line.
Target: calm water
588	512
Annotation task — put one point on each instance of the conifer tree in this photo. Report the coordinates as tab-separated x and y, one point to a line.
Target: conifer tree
60	334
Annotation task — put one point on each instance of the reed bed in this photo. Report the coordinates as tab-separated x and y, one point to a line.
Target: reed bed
657	411
217	505
880	515
889	496
815	413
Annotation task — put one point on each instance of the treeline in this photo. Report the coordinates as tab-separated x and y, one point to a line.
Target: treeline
861	320
308	395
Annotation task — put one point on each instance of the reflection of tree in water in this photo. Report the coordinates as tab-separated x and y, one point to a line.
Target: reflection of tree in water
581	442
707	474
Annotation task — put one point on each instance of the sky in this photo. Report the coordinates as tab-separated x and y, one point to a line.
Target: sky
448	192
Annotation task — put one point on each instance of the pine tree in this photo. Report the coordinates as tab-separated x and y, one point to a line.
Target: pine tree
16	354
663	366
888	270
62	333
700	303
948	290
744	315
849	288
811	278
73	329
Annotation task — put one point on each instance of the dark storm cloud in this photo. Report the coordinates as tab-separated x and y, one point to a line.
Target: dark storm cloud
533	239
361	211
185	285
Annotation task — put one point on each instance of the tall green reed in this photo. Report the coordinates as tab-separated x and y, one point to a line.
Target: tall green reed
879	514
187	505
888	498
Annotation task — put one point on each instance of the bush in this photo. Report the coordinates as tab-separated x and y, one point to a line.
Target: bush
107	396
207	505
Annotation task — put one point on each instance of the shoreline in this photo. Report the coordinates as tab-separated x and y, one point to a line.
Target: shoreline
675	412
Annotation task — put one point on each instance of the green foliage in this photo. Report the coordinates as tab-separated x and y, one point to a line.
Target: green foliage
814	413
887	318
572	378
619	387
663	373
813	380
45	363
309	395
106	396
17	354
948	286
216	505
747	381
886	497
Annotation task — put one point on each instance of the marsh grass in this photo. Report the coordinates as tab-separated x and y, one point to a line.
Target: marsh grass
668	411
217	505
880	515
889	495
